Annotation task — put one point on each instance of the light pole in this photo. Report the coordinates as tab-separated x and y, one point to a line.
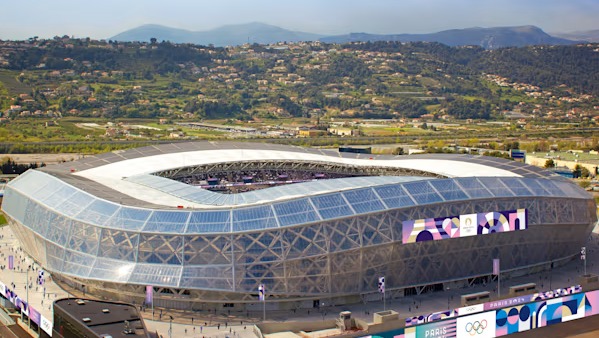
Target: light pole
170	327
583	257
382	290
550	275
27	297
262	298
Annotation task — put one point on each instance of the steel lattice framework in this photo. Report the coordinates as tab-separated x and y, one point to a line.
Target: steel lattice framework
306	166
332	244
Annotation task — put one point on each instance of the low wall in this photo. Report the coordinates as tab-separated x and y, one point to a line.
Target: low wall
267	328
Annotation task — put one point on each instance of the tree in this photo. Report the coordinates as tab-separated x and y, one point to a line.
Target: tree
584	172
512	145
580	172
549	163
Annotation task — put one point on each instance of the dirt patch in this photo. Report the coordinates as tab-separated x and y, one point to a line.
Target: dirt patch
39	158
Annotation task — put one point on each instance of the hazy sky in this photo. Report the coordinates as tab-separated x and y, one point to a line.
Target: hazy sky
21	19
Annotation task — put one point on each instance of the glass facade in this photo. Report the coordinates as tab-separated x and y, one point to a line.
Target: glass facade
313	244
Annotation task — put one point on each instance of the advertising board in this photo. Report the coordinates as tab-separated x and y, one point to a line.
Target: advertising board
434	229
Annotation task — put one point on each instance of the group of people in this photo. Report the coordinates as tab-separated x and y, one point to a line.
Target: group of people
242	181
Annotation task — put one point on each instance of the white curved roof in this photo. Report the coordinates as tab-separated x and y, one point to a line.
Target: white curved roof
118	175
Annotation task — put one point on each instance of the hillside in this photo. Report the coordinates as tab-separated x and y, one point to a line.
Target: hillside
98	79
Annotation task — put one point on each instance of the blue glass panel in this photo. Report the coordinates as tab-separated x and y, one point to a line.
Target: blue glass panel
37	218
496	187
160	249
24	182
54	256
364	200
37	184
208	277
129	218
295	212
84	238
61	194
74	204
516	186
552	188
331	206
119	244
394	196
113	270
155	274
98	212
254	218
167	221
209	221
536	187
58	229
449	189
78	264
422	192
15	205
473	187
568	189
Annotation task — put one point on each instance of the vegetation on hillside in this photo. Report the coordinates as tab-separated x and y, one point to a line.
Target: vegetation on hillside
44	83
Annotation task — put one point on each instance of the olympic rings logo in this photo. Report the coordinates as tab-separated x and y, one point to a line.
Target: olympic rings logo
476	327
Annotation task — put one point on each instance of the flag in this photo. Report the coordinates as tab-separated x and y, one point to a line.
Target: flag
11	262
40	277
583	253
149	295
261	292
382	284
496	266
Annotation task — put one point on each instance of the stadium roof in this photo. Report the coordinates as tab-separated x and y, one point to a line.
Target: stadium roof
125	176
120	193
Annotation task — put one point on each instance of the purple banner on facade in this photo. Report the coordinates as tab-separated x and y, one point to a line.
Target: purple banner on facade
431	317
34	315
442	329
532	297
472	309
434	229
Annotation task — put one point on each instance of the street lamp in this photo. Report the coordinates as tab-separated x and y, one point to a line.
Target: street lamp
170	327
550	275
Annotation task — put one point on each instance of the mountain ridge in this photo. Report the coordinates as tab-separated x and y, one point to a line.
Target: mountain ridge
253	32
588	35
488	38
256	32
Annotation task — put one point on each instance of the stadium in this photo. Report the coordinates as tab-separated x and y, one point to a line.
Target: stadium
204	224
